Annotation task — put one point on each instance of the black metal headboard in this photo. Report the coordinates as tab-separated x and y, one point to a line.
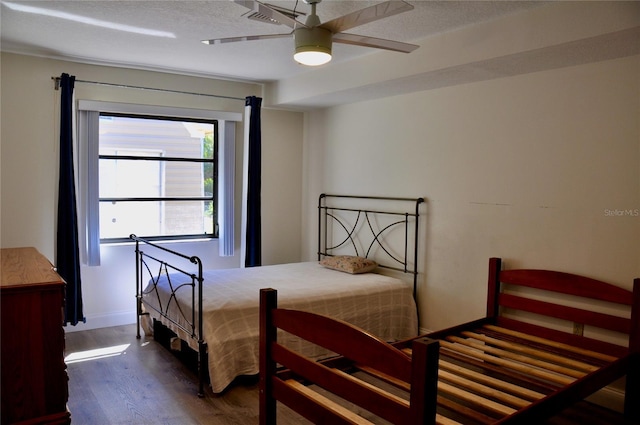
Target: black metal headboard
384	229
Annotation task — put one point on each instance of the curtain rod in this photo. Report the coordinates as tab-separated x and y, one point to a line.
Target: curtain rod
124	86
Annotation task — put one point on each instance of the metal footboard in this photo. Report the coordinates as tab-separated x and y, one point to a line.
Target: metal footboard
156	269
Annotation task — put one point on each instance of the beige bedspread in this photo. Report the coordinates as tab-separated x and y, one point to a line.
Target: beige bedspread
381	305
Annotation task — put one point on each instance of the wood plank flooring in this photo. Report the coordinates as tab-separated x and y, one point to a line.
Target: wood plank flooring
146	384
141	382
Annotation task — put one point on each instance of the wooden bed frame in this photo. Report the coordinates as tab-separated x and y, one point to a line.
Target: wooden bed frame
347	225
353	343
514	366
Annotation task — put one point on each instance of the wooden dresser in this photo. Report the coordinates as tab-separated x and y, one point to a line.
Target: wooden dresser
34	375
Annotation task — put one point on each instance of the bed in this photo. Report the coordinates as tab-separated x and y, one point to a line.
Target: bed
549	339
286	374
216	312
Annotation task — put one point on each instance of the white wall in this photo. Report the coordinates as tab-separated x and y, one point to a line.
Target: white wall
527	168
29	164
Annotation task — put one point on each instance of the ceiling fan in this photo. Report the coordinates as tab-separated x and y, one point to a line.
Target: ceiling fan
313	39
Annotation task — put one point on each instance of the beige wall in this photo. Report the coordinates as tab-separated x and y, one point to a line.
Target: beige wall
281	186
529	168
29	161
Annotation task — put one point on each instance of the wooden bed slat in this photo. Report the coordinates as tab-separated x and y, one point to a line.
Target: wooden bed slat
483	390
443	420
403	385
440	419
465	411
571	356
517	357
509	364
333	413
495	388
496	382
340	410
517	376
567	347
378	401
480	402
531	351
373	388
491	381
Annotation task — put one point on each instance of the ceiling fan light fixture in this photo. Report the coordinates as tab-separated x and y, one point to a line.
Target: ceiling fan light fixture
313	46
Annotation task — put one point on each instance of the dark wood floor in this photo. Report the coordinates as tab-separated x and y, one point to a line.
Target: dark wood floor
140	382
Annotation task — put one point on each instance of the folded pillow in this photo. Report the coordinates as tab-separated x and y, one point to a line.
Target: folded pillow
349	264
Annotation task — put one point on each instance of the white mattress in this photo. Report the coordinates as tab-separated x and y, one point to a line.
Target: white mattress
381	305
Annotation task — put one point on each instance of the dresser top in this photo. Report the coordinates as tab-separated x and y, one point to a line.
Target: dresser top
23	267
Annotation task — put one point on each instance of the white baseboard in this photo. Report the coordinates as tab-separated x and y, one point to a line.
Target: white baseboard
104	321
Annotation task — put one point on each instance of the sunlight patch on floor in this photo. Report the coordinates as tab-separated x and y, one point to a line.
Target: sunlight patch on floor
98	353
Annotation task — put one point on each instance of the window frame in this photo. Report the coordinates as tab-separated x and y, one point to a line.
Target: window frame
214	195
87	153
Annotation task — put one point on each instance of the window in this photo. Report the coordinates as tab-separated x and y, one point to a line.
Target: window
158	172
157	177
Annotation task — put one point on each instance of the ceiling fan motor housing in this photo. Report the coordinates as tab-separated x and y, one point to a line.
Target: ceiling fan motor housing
313	39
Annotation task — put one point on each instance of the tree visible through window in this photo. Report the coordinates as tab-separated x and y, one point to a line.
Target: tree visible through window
157	177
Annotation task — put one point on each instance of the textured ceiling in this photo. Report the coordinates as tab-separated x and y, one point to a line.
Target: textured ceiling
113	32
460	42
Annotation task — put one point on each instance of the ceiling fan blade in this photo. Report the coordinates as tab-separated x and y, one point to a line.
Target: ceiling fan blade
378	43
267	11
366	15
244	38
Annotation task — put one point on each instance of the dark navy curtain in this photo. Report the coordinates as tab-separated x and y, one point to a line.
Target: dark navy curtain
67	250
253	255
